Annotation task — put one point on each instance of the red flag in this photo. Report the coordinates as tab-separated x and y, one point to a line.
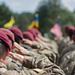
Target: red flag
56	30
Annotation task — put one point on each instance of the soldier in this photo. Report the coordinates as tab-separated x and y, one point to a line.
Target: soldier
18	39
5	48
68	33
11	63
40	62
68	63
70	46
21	48
9	34
44	44
17	33
35	32
67	59
29	40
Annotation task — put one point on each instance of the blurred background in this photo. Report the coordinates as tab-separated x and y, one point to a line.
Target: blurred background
49	12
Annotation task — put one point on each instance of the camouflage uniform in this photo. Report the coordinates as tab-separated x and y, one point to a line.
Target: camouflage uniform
13	64
51	53
68	63
42	62
66	50
3	68
9	72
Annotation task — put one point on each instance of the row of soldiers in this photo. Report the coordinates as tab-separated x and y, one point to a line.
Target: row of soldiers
67	50
29	53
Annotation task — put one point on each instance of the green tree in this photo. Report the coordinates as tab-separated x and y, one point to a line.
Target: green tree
48	12
23	20
5	14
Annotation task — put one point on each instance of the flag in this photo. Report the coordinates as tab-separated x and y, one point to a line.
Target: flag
10	23
35	22
56	29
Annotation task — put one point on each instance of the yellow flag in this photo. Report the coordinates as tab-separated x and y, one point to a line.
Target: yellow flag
31	25
35	22
10	23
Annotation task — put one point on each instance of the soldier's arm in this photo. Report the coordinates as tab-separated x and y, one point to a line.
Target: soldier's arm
33	44
24	60
20	49
17	57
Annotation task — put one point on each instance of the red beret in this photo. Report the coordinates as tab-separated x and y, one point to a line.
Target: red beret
36	31
6	40
8	32
29	35
69	27
69	30
33	31
16	31
73	37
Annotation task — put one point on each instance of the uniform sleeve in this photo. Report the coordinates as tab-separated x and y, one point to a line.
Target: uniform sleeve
28	62
40	61
3	68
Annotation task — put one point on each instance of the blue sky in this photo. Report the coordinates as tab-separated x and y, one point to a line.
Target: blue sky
31	5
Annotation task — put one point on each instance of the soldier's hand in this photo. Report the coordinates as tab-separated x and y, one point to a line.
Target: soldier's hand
26	41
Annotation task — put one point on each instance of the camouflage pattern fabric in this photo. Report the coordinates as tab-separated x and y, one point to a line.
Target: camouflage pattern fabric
3	68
